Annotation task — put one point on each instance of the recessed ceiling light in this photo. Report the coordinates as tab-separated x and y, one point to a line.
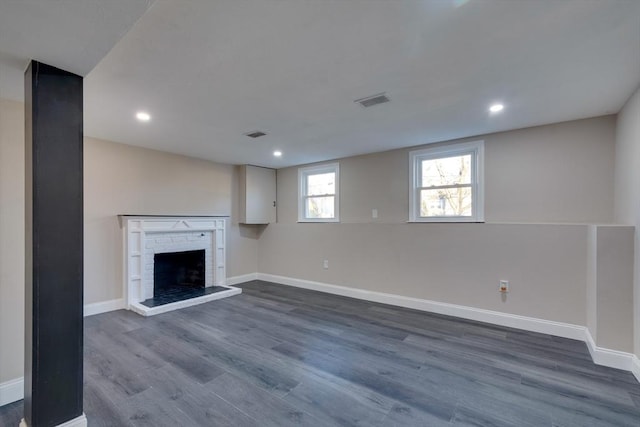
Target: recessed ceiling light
496	108
143	116
277	153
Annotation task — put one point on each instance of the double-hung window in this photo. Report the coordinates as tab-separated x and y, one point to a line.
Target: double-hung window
446	183
318	193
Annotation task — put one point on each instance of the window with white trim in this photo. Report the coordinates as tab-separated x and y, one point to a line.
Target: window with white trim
318	193
447	183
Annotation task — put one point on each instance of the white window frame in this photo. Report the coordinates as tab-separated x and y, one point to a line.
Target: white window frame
476	149
303	173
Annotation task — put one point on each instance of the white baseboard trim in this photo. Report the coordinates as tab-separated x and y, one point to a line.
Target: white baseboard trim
635	367
81	421
601	356
564	330
119	304
11	391
103	307
231	281
607	357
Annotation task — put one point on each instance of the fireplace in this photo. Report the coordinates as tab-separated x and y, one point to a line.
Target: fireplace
177	271
174	262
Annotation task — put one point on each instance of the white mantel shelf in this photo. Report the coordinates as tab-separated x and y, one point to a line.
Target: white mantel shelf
146	235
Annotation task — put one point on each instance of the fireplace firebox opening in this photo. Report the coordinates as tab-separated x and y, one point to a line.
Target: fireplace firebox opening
175	271
179	276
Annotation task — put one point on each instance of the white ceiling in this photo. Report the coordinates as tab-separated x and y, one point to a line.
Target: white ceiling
209	71
70	34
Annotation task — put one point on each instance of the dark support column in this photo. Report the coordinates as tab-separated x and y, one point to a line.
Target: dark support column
54	231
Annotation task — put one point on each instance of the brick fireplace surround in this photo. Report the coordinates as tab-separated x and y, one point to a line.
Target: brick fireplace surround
145	236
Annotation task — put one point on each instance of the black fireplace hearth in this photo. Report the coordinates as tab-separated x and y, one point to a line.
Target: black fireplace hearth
178	276
181	294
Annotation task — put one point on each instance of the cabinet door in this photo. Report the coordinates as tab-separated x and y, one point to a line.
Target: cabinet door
260	195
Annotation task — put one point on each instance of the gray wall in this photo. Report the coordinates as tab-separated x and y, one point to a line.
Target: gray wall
560	173
451	263
11	239
610	286
614	294
627	187
556	173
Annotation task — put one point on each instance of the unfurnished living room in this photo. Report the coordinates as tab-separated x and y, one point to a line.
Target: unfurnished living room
319	213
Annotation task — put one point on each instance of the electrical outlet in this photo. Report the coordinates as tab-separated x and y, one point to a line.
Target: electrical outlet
325	264
374	213
504	286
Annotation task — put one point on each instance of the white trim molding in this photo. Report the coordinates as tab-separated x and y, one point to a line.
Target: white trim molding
601	356
473	148
11	391
564	330
635	367
80	421
231	281
303	190
607	357
120	304
104	307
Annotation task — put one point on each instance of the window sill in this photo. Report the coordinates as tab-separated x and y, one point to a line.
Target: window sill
446	222
440	220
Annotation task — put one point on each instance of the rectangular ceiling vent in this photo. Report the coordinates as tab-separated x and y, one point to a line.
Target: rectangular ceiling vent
255	134
370	101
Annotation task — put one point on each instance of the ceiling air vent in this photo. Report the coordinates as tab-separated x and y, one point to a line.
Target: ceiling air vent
370	101
255	134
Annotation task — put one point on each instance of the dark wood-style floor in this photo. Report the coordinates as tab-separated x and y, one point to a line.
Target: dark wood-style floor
280	356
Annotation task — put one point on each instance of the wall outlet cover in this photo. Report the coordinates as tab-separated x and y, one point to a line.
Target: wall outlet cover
504	286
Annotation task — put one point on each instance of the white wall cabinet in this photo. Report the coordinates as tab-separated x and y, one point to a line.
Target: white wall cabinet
257	195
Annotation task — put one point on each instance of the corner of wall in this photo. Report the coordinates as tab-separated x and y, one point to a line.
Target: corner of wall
610	309
11	391
627	198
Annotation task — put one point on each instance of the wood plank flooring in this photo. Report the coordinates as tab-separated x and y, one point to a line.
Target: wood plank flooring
281	356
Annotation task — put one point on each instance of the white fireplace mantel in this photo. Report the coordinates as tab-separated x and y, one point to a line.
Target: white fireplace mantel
145	236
